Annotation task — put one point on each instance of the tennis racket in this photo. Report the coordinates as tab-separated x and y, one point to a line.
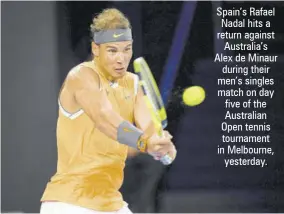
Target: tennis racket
153	99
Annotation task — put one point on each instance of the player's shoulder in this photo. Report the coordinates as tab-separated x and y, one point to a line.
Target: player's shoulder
133	81
131	76
81	74
82	70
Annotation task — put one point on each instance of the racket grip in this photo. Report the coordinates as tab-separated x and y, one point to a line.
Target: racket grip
166	160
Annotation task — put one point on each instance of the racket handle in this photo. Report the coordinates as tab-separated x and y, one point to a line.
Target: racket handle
166	160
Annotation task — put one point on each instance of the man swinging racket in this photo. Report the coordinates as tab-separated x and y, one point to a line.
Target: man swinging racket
99	103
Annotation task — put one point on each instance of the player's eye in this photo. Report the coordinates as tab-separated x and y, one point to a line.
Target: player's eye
127	49
112	50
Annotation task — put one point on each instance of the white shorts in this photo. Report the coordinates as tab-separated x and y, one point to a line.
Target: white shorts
64	208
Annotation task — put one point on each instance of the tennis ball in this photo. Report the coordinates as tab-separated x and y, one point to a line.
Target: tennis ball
193	95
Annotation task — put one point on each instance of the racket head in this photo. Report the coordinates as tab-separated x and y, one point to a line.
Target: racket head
150	88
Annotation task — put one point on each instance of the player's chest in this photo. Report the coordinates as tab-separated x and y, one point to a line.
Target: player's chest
122	100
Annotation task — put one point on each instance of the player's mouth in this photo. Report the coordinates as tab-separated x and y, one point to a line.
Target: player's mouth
119	70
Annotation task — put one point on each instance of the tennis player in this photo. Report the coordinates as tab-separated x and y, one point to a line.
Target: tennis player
99	103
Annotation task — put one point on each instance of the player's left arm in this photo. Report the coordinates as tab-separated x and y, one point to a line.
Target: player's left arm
142	118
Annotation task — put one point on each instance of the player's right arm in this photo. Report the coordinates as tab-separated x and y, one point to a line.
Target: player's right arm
88	95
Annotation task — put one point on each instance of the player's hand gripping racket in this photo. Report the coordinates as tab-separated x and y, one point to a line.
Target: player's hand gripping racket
153	99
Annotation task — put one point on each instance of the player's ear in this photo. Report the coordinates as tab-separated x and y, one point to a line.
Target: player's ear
95	49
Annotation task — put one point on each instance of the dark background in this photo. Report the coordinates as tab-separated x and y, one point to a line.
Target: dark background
42	41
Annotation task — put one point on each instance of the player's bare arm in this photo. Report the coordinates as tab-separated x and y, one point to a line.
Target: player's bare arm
85	84
85	87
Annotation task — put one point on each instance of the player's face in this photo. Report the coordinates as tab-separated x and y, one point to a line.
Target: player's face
114	58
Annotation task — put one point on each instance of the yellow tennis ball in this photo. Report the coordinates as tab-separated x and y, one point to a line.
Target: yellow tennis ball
193	95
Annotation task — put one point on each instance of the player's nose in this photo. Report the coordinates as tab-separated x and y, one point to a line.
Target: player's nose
120	58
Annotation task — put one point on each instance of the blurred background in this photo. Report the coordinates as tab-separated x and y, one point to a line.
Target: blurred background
42	41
